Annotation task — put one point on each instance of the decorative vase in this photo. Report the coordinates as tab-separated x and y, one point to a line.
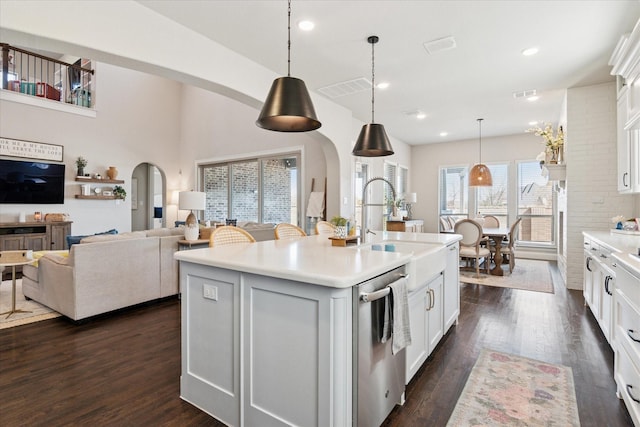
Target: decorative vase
553	152
341	231
112	173
80	172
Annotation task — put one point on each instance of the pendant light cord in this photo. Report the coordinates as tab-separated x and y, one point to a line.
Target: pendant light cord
480	134
373	40
289	40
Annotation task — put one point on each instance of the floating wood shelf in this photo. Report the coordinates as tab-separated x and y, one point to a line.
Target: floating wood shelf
80	196
101	181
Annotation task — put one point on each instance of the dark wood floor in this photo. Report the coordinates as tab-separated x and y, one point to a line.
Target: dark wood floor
124	369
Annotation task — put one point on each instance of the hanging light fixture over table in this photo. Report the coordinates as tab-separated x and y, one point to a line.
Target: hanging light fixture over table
480	175
373	140
288	107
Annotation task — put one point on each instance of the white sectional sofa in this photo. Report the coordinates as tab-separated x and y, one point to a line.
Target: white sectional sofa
106	272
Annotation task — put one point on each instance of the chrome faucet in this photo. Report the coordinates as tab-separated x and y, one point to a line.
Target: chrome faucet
365	230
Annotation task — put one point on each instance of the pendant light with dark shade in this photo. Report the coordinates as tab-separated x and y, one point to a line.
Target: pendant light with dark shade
373	140
288	107
480	175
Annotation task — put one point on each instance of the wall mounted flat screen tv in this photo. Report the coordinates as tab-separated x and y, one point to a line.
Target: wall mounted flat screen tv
31	182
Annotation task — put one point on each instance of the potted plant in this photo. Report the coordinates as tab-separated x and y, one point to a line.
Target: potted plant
341	226
119	192
81	163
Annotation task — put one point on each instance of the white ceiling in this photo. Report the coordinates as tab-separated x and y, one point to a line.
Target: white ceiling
453	87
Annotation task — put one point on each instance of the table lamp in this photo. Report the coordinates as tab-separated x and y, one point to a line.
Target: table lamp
192	200
411	198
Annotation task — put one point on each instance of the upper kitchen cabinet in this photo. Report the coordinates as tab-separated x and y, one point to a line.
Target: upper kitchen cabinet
626	67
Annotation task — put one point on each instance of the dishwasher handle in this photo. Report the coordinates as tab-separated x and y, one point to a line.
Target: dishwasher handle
372	296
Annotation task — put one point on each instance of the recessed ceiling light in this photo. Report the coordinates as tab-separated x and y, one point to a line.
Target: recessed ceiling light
382	85
306	25
420	115
530	51
444	133
533	98
533	123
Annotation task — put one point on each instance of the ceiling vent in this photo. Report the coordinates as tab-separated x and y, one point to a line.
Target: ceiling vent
440	45
524	94
348	87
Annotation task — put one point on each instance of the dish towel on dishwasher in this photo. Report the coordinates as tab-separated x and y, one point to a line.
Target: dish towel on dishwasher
400	328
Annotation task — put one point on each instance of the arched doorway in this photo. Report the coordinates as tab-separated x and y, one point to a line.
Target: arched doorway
148	200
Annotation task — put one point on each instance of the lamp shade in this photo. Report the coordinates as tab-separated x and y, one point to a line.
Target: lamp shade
412	198
480	176
288	107
192	200
372	142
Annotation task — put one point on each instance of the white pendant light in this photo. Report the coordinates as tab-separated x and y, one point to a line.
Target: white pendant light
288	107
480	175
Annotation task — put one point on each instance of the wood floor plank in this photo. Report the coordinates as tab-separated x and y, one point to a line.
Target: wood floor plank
124	369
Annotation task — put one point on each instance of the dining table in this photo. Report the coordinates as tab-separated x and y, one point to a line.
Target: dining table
497	235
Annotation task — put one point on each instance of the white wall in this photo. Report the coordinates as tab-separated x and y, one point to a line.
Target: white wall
592	195
53	26
137	120
427	159
216	128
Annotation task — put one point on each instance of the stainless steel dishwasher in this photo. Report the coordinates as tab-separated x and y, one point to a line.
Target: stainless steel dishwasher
378	374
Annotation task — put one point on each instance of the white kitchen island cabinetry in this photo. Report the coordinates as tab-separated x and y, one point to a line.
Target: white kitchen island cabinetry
292	349
272	332
426	319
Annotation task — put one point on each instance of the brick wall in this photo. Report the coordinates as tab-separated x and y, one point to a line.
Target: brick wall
592	197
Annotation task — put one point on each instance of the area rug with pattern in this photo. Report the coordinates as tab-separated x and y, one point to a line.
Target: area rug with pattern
528	274
509	390
37	313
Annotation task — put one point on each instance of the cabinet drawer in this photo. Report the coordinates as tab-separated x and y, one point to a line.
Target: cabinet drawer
627	328
629	285
628	381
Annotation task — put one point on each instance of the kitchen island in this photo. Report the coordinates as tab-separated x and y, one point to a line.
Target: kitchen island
268	328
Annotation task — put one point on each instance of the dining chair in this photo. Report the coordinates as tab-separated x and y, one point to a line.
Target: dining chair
325	227
229	234
508	251
491	221
288	231
470	247
445	226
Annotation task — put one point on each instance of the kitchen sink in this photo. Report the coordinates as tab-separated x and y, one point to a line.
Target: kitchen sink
428	260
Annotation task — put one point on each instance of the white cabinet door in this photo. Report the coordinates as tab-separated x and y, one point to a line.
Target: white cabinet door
435	323
210	377
418	351
623	145
588	268
606	312
633	137
451	293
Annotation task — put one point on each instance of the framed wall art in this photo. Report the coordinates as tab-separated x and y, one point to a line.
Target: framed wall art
30	150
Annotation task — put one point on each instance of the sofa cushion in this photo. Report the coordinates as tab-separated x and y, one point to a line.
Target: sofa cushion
109	237
164	232
72	240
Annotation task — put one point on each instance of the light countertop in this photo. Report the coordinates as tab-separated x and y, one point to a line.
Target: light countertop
624	247
313	259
